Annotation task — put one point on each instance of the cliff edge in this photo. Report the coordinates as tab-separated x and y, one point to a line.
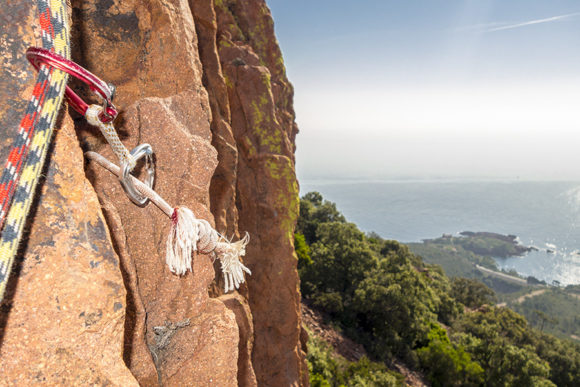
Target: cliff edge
91	300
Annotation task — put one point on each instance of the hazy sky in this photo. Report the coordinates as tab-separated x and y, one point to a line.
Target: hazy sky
434	88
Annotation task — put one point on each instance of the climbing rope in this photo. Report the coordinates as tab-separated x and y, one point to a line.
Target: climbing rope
189	234
26	159
47	92
102	117
127	159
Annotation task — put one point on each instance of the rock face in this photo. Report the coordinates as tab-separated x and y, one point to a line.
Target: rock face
262	121
64	322
204	83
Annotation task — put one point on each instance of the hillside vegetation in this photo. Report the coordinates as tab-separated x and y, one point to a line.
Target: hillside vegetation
548	308
554	310
400	308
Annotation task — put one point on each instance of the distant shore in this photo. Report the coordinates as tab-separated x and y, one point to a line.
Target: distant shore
461	254
486	243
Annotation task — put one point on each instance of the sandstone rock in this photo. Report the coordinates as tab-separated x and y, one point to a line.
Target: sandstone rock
237	304
202	353
184	168
254	131
149	49
61	321
223	192
262	120
192	78
63	317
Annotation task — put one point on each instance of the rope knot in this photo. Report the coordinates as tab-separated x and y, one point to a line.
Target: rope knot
189	234
174	216
207	237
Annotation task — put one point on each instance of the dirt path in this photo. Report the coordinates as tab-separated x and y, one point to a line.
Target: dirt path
535	293
521	299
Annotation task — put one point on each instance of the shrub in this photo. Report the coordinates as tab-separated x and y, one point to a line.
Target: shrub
302	250
328	369
471	292
446	364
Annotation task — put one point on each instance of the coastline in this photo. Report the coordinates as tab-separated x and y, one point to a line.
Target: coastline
476	254
541	214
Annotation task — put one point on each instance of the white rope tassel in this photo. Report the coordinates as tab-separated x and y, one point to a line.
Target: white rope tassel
181	241
229	254
189	234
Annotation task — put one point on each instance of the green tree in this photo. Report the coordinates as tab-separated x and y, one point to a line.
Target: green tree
396	305
446	364
544	318
341	259
314	211
328	369
302	250
447	308
501	342
516	366
563	357
471	292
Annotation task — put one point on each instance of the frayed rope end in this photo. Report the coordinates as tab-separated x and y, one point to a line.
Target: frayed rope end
229	254
181	241
187	232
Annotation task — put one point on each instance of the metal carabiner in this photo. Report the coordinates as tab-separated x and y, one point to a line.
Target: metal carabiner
140	151
38	56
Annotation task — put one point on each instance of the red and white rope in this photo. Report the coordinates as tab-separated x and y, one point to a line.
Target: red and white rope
189	234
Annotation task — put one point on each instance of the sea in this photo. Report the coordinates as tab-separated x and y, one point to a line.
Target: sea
545	215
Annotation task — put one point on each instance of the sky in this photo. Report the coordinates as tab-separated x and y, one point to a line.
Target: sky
434	88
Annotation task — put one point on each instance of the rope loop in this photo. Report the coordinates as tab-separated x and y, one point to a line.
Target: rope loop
93	117
128	160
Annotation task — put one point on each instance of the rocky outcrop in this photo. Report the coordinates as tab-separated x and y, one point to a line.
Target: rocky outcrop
203	82
256	124
262	121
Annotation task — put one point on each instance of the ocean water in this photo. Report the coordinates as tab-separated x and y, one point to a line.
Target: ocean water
542	214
